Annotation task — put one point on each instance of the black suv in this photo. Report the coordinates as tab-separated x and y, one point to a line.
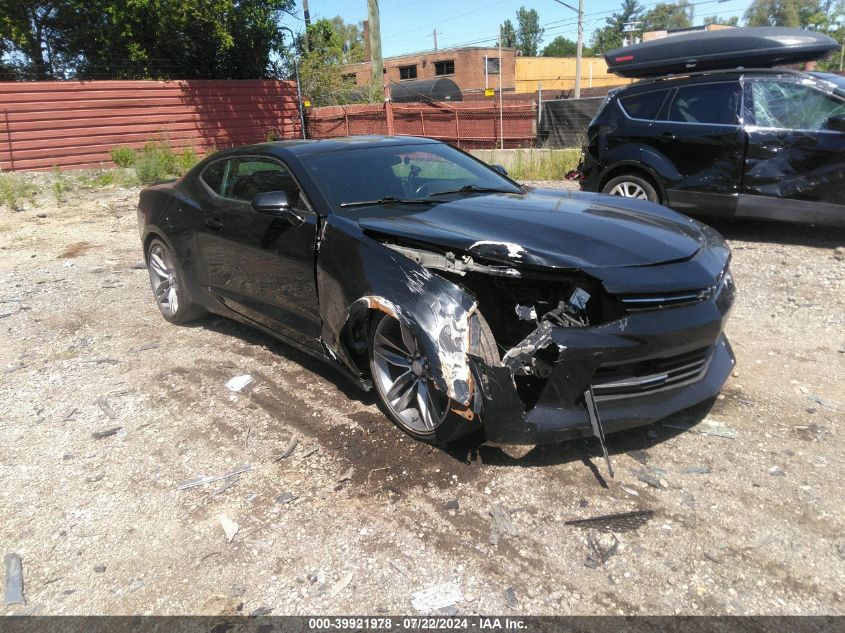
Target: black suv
745	143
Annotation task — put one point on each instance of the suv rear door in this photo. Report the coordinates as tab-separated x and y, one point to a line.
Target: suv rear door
795	164
698	131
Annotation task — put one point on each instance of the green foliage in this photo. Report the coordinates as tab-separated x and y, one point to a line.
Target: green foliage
668	15
610	36
320	74
774	13
60	185
564	47
14	190
529	34
123	156
718	19
186	159
351	37
543	164
156	162
140	39
507	34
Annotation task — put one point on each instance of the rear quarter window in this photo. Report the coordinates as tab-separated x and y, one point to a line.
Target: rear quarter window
645	105
716	103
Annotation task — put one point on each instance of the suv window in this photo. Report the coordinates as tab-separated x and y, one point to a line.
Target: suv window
645	105
707	103
791	106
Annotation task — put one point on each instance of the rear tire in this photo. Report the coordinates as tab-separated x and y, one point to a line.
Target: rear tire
631	186
169	285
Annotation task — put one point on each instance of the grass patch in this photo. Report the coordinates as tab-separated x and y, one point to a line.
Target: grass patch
538	164
15	190
123	156
157	162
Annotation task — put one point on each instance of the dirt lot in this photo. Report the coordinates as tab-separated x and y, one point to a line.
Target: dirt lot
749	524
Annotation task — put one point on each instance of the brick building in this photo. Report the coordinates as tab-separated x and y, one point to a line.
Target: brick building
464	66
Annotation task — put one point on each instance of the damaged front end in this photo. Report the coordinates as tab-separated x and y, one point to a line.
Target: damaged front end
560	333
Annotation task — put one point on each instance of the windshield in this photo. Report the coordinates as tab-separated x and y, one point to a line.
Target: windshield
400	172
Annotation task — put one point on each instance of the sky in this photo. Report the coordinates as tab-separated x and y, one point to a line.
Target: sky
407	25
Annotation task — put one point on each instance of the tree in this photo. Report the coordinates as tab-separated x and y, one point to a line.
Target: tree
718	19
564	47
610	36
144	39
320	76
667	16
774	13
507	34
529	34
26	31
352	39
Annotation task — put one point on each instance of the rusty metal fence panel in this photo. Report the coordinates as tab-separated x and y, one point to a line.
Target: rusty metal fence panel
472	125
76	124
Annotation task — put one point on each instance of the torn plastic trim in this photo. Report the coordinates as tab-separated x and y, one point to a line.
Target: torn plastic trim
445	339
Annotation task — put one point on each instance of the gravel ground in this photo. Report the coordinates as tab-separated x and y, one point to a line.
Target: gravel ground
747	524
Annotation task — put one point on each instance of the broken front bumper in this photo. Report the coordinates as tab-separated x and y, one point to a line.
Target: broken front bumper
642	368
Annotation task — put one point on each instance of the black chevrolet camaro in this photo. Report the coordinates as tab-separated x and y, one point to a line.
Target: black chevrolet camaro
466	300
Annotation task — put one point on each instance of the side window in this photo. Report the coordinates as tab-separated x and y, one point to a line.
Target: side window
213	176
428	166
247	177
791	106
645	105
707	103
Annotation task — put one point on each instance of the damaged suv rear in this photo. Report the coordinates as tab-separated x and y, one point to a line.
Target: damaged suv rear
468	301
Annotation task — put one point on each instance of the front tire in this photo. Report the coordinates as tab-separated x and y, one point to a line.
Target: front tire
630	186
168	285
400	373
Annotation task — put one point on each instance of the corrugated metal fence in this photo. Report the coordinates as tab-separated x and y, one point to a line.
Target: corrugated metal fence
470	125
76	124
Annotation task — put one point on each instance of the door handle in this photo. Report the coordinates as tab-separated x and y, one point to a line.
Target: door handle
667	136
215	224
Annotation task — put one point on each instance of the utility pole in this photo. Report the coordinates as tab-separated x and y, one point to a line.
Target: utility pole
376	62
579	51
501	115
435	39
307	17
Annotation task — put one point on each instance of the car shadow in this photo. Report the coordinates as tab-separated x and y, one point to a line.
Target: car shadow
474	448
586	450
763	231
311	363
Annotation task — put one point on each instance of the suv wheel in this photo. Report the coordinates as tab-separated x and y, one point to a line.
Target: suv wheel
630	186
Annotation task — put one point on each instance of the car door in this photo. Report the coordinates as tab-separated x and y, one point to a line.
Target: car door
795	163
260	265
698	132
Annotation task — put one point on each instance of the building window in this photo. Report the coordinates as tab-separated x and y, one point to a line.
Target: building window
408	72
492	65
445	68
350	79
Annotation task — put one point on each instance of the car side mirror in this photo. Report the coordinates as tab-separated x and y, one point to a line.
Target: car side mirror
271	202
836	122
276	203
501	169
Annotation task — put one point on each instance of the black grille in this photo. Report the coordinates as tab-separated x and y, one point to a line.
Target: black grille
637	303
643	377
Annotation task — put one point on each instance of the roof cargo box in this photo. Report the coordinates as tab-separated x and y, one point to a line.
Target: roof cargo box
752	47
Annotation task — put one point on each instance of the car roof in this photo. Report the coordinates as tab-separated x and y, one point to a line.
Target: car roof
707	76
336	144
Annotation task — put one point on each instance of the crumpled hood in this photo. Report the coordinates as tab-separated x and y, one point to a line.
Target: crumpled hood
549	228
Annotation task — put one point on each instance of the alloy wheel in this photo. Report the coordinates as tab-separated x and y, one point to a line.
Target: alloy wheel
401	375
629	189
163	280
